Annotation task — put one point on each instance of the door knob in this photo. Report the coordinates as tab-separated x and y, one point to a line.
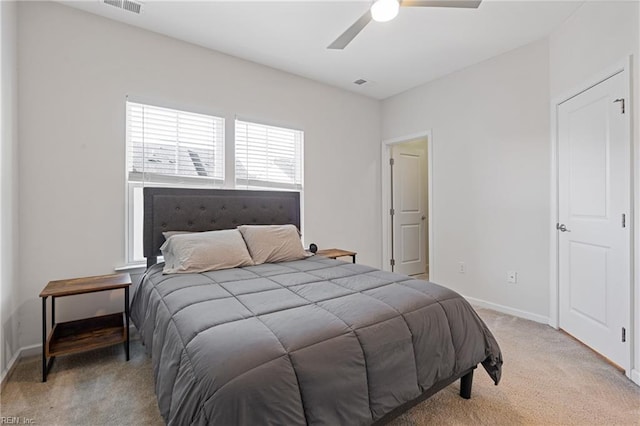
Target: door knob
562	227
423	217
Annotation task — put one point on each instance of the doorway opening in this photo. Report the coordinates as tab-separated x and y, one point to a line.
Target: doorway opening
407	194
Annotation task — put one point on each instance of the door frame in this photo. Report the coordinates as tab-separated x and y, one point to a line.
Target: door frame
386	202
623	67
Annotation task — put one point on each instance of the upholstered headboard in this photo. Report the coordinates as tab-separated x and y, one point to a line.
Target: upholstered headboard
178	209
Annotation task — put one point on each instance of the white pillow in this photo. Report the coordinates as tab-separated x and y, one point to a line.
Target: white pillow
204	251
273	243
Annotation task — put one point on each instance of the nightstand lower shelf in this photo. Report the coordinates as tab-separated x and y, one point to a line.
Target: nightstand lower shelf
86	334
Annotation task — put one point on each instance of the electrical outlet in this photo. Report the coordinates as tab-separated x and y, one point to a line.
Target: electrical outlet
461	267
512	277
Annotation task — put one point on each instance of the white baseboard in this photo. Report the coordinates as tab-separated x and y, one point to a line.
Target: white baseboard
31	350
13	362
507	310
10	366
635	376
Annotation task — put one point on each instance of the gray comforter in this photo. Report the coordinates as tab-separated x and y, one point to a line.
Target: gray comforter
314	341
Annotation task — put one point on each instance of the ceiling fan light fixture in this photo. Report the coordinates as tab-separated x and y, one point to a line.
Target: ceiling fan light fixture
384	10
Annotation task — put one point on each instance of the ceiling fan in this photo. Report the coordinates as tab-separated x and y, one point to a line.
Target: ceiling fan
386	10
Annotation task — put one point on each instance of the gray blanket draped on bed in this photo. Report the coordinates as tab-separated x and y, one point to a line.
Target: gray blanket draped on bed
313	341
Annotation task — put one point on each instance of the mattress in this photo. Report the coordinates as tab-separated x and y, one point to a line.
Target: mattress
314	341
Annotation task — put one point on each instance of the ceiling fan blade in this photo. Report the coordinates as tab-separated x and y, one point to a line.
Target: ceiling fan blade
472	4
346	37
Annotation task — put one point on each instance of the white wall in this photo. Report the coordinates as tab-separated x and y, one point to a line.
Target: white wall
490	210
75	71
8	184
595	38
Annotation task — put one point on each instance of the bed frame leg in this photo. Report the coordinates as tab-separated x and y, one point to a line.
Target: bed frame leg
466	382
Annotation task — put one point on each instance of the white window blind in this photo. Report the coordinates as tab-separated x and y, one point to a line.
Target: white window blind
174	147
268	156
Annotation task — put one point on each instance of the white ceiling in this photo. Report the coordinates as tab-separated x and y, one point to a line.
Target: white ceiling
420	45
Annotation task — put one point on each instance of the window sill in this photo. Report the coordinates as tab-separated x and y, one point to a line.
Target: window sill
136	265
131	267
142	265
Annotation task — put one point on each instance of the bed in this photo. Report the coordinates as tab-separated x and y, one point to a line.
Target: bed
310	341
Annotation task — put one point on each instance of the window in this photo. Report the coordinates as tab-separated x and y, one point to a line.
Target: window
172	146
268	156
167	147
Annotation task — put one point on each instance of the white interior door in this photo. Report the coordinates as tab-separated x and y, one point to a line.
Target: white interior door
594	204
410	208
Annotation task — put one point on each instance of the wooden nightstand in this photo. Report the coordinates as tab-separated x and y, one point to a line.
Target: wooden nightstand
85	334
334	253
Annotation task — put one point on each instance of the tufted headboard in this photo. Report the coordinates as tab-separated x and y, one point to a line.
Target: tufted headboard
179	209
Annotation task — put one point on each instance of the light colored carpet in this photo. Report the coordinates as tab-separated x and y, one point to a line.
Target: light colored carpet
548	378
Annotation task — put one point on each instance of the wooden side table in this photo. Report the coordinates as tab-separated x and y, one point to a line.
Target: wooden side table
335	253
85	334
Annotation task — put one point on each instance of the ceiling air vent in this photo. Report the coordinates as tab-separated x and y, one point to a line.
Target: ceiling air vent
128	5
360	82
